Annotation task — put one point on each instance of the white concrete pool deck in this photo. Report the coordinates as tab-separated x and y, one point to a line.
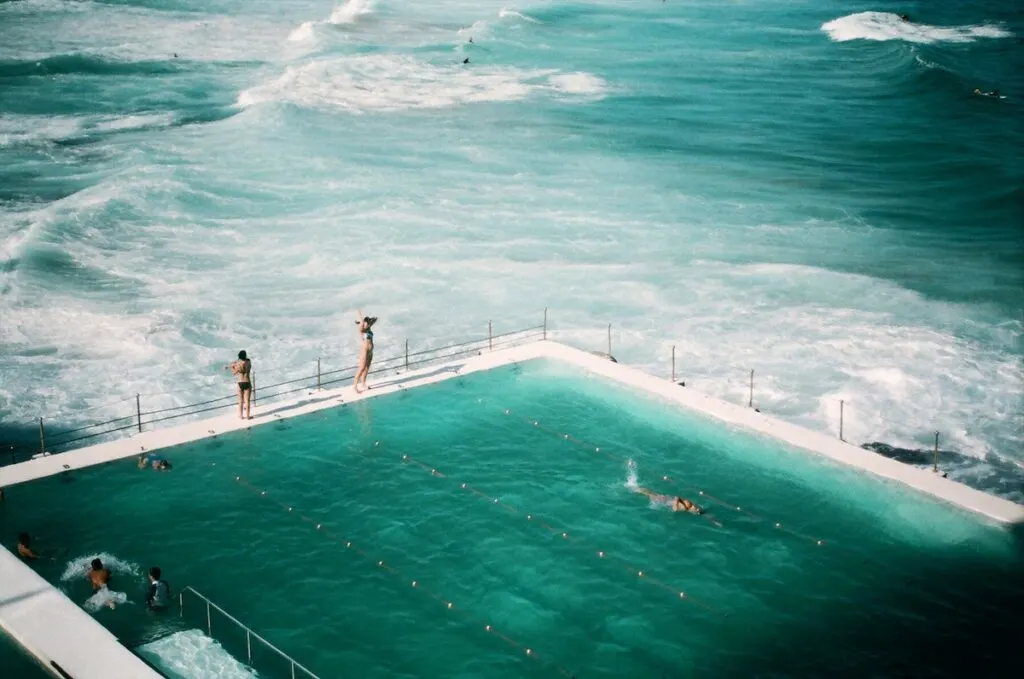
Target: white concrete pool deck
49	625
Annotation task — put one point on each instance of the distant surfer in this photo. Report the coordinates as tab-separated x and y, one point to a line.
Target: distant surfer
242	369
905	17
466	60
993	93
365	324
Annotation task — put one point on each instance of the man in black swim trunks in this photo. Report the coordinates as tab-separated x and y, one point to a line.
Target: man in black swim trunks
242	368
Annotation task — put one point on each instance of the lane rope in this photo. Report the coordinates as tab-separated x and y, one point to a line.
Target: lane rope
535	520
351	546
604	452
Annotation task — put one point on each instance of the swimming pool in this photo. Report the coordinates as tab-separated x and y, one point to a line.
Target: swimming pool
543	543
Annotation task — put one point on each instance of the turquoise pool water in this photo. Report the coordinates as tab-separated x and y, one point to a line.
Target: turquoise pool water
900	582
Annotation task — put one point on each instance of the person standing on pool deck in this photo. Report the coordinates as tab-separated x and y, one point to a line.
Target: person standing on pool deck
242	368
159	591
365	324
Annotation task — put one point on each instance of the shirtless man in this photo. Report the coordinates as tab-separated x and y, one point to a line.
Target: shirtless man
241	369
24	547
678	504
99	576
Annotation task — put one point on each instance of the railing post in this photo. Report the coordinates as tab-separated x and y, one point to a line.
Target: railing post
293	669
42	437
545	323
490	344
841	420
318	373
673	364
750	403
935	459
609	339
181	604
406	353
138	410
248	645
209	625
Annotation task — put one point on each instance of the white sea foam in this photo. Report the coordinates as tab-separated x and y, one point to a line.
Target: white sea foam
76	569
509	12
386	82
104	598
193	655
349	12
882	26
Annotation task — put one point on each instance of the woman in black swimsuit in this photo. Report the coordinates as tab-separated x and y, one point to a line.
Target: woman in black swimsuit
242	368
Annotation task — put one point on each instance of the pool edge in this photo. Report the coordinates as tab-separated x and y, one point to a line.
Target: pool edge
53	629
921	480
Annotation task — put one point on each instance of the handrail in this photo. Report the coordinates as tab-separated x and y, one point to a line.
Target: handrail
65	439
249	633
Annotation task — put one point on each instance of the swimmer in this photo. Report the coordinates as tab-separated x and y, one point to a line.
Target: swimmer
905	17
678	504
993	93
25	547
98	575
159	591
152	459
242	369
365	324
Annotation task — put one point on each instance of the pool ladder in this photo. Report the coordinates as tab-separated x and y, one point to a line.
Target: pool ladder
249	634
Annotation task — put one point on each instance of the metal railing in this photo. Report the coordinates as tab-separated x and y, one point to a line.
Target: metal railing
249	633
139	420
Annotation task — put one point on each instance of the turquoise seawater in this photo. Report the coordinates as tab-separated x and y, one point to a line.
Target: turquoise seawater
534	533
806	189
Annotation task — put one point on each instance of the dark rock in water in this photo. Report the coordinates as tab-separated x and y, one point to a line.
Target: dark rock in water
905	455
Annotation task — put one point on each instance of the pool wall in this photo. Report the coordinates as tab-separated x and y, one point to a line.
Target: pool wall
55	630
51	627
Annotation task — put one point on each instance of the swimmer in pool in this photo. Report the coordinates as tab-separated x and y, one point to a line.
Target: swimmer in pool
678	504
153	460
98	575
25	547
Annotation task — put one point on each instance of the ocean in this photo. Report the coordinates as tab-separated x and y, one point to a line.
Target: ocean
809	190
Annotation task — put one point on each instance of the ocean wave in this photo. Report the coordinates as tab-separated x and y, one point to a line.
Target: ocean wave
395	83
884	26
345	14
23	130
68	64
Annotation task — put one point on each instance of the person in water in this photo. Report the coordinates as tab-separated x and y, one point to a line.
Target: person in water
678	504
159	593
365	324
99	575
242	369
25	547
155	461
905	17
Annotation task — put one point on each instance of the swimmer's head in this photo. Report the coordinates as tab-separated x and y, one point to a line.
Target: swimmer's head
97	565
241	355
367	322
154	573
163	465
24	539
